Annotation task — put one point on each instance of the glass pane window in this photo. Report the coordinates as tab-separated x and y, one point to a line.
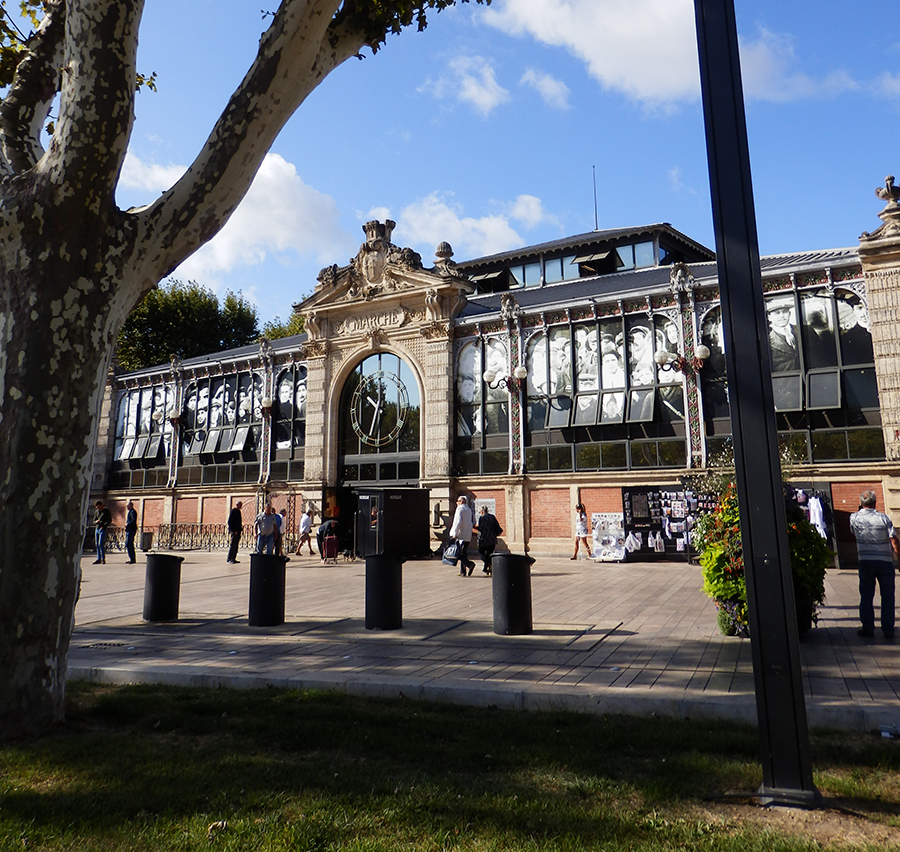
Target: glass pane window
570	268
817	330
553	270
643	255
624	258
532	275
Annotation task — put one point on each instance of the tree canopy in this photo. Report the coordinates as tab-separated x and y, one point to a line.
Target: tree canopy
275	328
184	319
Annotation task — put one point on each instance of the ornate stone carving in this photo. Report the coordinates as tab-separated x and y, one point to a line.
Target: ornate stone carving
432	305
312	325
316	349
680	279
509	307
375	338
265	349
394	318
437	331
890	216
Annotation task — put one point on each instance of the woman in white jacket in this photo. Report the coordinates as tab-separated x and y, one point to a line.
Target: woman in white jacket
461	532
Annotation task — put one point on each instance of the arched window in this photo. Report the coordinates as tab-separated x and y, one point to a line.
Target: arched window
380	423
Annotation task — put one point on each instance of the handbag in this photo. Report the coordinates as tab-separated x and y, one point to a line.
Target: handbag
451	554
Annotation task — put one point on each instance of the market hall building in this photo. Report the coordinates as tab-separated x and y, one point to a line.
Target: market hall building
585	370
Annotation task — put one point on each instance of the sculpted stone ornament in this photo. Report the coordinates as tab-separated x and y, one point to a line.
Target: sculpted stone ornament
312	325
680	278
444	265
432	305
509	307
265	349
890	215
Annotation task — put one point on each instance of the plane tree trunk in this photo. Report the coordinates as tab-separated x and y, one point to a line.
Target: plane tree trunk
72	265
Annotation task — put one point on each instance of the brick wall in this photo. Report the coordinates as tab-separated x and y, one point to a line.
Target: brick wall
214	510
845	501
551	513
150	516
499	498
186	510
601	499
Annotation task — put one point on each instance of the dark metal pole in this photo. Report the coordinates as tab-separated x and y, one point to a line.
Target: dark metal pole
781	711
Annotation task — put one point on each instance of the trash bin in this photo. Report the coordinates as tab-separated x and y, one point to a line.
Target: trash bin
384	592
147	541
511	593
162	587
266	589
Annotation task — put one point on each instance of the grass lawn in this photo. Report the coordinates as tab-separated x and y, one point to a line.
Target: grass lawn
159	768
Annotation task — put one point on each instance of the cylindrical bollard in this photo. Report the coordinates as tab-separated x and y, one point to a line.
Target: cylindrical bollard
511	593
384	592
162	587
266	589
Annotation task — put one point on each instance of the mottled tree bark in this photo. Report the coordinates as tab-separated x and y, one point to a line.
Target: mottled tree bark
72	265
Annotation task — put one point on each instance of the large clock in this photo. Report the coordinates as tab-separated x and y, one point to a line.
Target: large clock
378	408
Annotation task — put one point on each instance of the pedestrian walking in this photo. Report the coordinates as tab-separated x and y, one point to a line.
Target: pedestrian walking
461	532
581	530
305	530
488	530
130	532
102	519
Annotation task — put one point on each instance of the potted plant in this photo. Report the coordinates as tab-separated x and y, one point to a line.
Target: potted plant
717	536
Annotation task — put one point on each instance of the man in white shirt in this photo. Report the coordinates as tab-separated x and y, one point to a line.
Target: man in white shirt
876	544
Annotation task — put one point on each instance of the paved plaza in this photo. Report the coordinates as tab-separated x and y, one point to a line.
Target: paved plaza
636	638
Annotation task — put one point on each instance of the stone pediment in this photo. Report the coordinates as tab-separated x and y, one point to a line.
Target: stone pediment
384	288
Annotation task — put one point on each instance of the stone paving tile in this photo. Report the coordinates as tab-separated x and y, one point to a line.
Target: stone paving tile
596	632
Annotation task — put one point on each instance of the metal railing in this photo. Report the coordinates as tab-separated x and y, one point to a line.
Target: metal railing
185	537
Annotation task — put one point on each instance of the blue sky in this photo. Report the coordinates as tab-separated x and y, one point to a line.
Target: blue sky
485	130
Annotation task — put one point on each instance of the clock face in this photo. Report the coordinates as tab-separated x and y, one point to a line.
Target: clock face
378	408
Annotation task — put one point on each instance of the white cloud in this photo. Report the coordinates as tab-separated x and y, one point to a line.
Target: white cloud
431	220
554	92
888	85
281	217
529	210
468	79
646	49
136	174
768	70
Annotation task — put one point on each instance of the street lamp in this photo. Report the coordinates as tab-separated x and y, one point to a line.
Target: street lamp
681	363
511	383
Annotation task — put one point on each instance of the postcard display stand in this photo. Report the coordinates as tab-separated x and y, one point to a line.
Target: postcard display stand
659	521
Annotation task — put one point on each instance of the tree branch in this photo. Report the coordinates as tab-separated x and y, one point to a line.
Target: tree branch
27	104
96	111
294	57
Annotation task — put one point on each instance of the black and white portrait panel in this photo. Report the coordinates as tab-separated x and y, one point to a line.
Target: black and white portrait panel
853	329
784	347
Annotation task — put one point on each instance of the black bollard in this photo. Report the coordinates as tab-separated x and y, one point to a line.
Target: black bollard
511	593
266	590
162	587
384	592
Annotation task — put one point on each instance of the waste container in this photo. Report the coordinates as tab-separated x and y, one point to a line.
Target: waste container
147	541
162	587
511	593
384	592
266	589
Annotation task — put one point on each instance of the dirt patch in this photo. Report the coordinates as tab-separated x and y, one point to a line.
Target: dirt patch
837	825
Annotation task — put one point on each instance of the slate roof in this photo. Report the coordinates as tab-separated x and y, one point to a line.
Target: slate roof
628	285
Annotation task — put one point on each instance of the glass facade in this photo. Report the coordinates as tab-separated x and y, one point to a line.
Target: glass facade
823	376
